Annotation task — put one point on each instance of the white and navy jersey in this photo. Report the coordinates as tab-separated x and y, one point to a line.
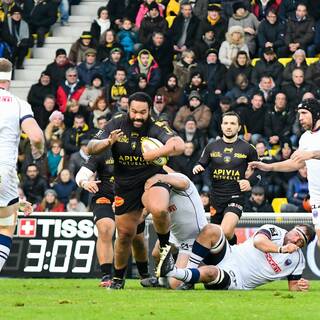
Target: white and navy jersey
252	267
186	212
12	112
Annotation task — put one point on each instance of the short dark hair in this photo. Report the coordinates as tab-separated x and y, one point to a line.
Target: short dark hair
102	118
79	116
141	97
120	68
231	113
309	231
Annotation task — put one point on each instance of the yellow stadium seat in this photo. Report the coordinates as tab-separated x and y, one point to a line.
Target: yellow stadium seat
277	202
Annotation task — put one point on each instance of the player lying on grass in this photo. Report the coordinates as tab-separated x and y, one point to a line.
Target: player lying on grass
270	254
187	219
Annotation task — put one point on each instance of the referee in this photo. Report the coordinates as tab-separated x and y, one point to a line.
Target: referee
228	160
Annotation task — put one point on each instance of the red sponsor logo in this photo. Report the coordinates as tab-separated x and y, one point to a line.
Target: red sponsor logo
272	263
103	200
27	228
118	201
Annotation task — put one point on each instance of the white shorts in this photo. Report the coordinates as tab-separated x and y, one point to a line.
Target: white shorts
183	246
8	186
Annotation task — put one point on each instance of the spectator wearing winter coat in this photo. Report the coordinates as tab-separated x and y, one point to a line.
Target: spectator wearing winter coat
123	8
232	45
43	111
79	158
92	91
257	201
248	21
313	73
55	127
144	10
100	24
288	7
268	89
50	203
65	186
106	44
261	7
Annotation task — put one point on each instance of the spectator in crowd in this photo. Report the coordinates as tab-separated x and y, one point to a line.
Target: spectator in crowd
300	30
184	28
118	86
79	48
33	184
257	201
240	64
267	65
71	89
232	45
65	186
159	109
205	198
50	203
183	67
40	16
101	123
55	127
297	192
123	8
214	131
121	106
5	7
271	34
79	158
197	109
89	67
145	9
248	21
128	38
261	8
106	44
15	32
57	69
55	159
44	111
142	85
75	205
172	93
253	119
74	109
64	9
100	24
288	7
152	21
161	49
313	73
268	89
278	121
72	137
100	108
145	64
39	91
214	22
314	48
92	91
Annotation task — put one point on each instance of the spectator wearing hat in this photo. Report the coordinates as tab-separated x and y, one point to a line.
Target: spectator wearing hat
215	22
145	64
268	65
144	10
184	28
172	93
261	7
234	43
197	109
257	201
79	158
159	110
79	48
100	24
128	38
57	69
39	91
152	21
248	21
240	64
50	203
92	91
70	89
15	32
65	186
40	16
89	67
55	127
300	30
271	34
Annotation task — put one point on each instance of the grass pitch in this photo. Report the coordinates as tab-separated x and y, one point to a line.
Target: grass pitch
61	299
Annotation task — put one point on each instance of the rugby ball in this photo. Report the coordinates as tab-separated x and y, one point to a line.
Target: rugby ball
149	144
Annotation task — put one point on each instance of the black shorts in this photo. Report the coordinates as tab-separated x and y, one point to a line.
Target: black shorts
219	206
102	208
127	200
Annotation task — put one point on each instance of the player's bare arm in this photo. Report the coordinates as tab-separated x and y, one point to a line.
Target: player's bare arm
177	182
301	155
173	147
96	146
283	166
264	244
299	285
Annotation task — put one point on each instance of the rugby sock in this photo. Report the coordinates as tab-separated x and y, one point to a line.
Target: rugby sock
199	252
119	273
143	269
106	268
163	239
5	246
186	275
233	240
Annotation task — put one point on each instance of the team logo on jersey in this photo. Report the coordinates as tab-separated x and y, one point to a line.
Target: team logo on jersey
287	262
215	154
124	139
315	213
226	159
274	232
118	201
109	161
228	150
133	145
134	134
103	200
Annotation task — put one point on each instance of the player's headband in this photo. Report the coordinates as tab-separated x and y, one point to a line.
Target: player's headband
302	234
5	75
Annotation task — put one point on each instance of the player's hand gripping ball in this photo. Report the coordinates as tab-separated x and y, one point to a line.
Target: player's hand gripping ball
151	144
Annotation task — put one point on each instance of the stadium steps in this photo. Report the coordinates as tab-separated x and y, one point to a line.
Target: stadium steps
62	37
